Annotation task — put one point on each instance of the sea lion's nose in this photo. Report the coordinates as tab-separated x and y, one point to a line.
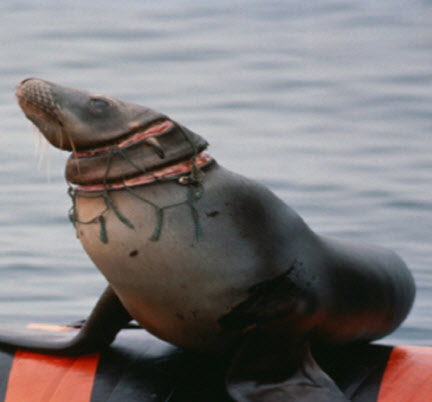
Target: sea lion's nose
22	85
38	92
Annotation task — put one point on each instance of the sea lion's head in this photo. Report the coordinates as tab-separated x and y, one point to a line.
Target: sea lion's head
111	140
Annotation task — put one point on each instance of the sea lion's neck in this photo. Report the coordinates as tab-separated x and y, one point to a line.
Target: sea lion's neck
157	148
185	172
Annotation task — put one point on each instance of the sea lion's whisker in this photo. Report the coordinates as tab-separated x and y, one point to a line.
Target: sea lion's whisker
36	140
59	135
48	161
74	151
41	150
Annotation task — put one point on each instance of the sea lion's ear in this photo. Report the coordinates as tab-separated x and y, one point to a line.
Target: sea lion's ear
269	370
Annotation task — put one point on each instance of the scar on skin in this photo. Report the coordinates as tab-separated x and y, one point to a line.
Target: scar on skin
212	214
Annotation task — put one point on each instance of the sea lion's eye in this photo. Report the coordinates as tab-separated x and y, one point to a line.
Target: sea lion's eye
99	103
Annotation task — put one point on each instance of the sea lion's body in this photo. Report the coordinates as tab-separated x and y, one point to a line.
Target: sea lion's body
260	284
181	289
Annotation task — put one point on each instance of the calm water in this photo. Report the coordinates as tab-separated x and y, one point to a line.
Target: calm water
328	104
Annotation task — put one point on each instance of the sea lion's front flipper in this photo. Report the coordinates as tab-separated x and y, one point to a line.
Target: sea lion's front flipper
106	320
266	370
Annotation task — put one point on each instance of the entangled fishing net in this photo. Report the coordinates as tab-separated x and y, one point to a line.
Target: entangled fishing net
193	180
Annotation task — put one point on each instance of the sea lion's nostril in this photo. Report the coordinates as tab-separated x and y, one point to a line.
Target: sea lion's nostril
24	81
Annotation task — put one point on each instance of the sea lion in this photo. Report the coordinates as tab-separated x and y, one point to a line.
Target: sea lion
204	258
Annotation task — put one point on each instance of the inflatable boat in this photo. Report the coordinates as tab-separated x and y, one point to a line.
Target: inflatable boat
140	367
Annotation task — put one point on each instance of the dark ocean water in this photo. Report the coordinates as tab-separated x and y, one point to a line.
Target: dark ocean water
327	103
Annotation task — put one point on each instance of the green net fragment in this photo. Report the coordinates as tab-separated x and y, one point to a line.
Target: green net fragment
192	180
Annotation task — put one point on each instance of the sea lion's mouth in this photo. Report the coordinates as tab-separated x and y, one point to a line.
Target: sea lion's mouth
43	116
35	110
178	170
